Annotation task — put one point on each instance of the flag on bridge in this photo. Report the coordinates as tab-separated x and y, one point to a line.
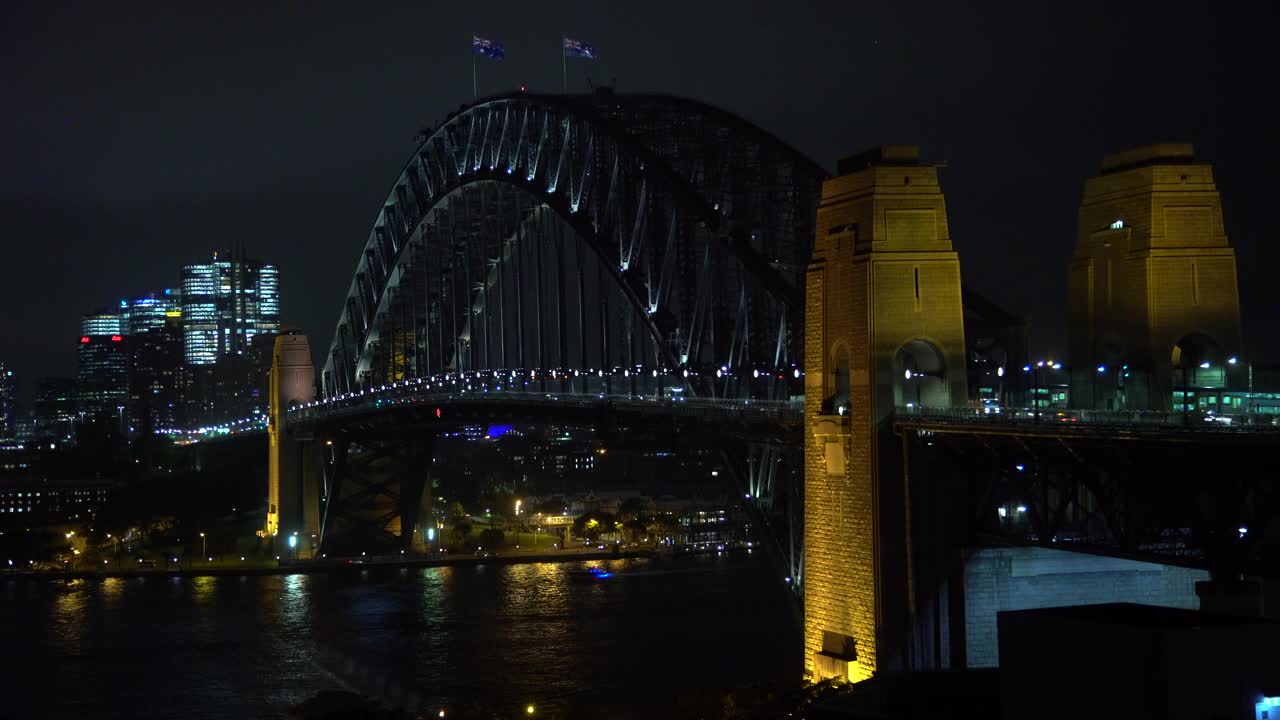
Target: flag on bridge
487	48
578	49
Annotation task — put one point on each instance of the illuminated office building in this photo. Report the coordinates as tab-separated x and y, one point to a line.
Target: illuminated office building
226	302
103	366
55	407
150	312
157	377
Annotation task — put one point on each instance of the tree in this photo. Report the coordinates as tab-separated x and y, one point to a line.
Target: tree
492	538
594	524
461	530
635	530
665	526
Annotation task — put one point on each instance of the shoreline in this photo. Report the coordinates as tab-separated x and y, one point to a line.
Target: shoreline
305	567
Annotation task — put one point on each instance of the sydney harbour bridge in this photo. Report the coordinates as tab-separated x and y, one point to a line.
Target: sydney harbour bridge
590	236
645	265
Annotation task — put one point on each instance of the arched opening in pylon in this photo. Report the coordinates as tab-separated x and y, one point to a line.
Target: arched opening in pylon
1199	372
920	376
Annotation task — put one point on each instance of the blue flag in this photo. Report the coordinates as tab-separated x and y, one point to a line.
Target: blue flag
578	49
487	48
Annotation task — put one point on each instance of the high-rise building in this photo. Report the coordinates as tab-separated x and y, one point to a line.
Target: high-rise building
8	414
157	377
225	303
150	312
103	365
55	408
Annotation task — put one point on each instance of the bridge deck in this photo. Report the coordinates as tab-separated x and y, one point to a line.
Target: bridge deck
1094	424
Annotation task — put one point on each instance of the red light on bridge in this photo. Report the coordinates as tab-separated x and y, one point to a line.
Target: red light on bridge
116	338
84	339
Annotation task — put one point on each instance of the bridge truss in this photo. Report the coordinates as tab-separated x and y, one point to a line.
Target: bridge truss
602	238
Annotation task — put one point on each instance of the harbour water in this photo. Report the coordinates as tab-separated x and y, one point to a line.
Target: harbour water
656	638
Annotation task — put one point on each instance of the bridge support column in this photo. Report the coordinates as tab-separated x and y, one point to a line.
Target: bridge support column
293	462
884	329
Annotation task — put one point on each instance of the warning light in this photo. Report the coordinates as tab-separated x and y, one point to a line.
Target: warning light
521	88
439	412
84	338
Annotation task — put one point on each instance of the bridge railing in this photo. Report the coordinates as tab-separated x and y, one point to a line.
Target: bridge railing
1006	417
499	391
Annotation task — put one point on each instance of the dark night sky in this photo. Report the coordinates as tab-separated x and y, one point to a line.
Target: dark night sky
135	137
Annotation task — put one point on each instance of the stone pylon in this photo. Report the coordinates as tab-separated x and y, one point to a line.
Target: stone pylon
293	492
884	329
1154	305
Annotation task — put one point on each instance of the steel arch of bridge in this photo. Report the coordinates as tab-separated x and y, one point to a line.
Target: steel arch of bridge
593	234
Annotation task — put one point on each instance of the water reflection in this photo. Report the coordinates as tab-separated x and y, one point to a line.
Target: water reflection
68	624
492	637
203	589
112	591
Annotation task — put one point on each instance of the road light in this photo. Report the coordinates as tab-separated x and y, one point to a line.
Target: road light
204	547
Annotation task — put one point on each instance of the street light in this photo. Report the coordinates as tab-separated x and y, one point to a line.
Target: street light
204	548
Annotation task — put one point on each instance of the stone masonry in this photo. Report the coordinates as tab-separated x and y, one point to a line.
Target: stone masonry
883	278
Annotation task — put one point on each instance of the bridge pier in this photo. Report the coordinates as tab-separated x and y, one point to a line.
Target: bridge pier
293	509
884	328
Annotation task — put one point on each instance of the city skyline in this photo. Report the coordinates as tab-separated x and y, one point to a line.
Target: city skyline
1007	169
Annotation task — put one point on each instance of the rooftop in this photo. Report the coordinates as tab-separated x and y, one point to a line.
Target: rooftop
1157	154
894	155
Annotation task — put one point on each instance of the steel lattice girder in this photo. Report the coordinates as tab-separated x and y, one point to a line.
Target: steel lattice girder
696	225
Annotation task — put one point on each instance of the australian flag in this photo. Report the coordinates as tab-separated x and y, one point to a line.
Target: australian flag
578	49
487	48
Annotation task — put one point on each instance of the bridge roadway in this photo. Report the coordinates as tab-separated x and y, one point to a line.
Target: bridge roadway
484	399
477	395
1091	424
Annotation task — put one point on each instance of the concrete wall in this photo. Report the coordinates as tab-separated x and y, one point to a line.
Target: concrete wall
997	579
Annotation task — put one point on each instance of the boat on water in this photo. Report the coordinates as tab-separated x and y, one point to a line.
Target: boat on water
590	574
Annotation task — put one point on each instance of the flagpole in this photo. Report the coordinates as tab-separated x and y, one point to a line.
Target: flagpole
473	77
564	68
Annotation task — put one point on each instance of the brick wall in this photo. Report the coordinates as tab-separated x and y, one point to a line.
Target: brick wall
1024	578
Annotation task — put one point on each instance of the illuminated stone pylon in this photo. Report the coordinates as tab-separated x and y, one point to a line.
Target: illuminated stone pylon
884	328
1154	302
292	495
